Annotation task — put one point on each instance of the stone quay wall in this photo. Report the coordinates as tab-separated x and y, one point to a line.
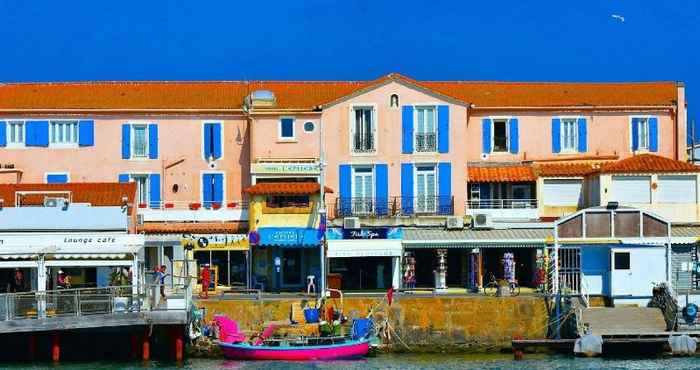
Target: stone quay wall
430	324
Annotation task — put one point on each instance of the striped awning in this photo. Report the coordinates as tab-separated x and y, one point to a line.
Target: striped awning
438	245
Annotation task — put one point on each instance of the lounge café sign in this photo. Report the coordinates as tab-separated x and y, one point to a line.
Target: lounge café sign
65	240
285	168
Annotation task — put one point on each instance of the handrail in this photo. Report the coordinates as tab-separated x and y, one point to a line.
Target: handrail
394	206
194	205
501	204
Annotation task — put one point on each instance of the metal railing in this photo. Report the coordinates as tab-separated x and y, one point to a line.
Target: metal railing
363	143
78	302
426	142
393	206
501	204
194	205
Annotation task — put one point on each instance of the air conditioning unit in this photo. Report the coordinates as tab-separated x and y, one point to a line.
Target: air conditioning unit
351	223
482	221
454	223
54	202
139	219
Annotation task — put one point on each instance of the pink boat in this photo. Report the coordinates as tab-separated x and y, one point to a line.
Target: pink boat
349	349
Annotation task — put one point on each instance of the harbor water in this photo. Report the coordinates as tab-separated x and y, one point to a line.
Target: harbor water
402	361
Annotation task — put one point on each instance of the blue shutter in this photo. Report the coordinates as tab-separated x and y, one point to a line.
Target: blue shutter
556	135
154	190
207	140
407	188
381	189
216	138
345	191
635	134
37	133
582	135
287	128
443	128
407	128
653	134
86	133
57	178
218	191
485	194
486	135
153	141
3	133
445	188
126	141
123	177
513	135
207	190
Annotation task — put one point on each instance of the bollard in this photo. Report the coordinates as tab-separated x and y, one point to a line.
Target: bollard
55	348
145	347
179	346
517	352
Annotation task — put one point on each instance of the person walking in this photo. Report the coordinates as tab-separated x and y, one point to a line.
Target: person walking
161	273
205	277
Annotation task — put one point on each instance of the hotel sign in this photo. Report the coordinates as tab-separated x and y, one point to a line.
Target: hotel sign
285	169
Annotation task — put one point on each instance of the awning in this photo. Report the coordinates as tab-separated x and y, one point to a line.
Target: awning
364	248
288	237
501	174
438	245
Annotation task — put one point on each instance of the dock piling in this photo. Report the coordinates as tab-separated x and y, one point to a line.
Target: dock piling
145	347
56	347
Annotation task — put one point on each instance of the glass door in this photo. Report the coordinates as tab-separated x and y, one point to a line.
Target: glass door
292	267
425	190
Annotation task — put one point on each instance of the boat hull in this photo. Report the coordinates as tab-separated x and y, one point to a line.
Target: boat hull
344	351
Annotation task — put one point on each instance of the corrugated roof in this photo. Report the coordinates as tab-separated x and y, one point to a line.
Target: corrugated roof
648	163
466	235
230	95
191	227
96	194
292	188
501	174
685	231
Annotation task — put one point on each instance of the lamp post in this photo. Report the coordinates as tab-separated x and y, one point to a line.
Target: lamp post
322	212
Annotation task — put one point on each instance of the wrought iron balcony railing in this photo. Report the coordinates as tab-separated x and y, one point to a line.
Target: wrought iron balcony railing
426	142
394	206
363	143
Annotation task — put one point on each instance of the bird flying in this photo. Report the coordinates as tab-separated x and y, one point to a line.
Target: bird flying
618	17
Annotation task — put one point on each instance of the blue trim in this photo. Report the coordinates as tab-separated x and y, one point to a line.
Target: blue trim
123	177
287	129
486	135
126	141
154	190
381	189
61	178
86	133
635	134
407	188
345	191
513	135
443	128
288	236
582	135
216	140
407	129
37	133
445	188
653	134
207	140
556	135
3	133
153	141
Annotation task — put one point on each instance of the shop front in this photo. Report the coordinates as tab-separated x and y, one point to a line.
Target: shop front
226	255
284	257
366	259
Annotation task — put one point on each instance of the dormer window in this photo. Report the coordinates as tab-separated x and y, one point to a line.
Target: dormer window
394	101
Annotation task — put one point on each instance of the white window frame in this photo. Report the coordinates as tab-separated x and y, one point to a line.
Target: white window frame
279	129
52	138
351	128
353	184
642	148
493	134
132	133
147	186
434	107
435	188
11	144
47	174
562	136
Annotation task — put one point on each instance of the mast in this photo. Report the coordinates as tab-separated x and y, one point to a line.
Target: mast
322	208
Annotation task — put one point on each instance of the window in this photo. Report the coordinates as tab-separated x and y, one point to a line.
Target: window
622	260
394	101
363	130
562	192
286	129
363	194
643	133
141	188
569	134
63	132
15	133
426	136
309	127
677	189
426	200
140	141
283	201
631	189
500	135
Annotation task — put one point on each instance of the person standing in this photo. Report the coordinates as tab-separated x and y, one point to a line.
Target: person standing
205	277
160	280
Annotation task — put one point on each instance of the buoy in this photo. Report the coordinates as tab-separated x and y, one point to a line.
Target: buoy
589	345
682	345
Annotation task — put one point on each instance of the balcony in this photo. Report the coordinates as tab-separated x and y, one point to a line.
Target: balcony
195	211
426	142
394	206
504	209
362	144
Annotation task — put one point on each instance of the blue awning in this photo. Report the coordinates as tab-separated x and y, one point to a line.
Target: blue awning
289	237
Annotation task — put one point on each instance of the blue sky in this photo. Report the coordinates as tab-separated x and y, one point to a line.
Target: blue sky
232	40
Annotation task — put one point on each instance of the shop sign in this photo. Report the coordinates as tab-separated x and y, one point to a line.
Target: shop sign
288	236
366	233
286	168
63	240
218	242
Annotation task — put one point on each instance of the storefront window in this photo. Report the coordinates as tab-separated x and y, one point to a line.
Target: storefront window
219	265
282	201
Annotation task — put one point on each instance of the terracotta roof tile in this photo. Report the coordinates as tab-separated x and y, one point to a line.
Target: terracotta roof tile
96	194
192	227
285	188
228	95
648	163
565	169
501	174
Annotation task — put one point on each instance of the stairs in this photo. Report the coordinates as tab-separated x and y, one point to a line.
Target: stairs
623	320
